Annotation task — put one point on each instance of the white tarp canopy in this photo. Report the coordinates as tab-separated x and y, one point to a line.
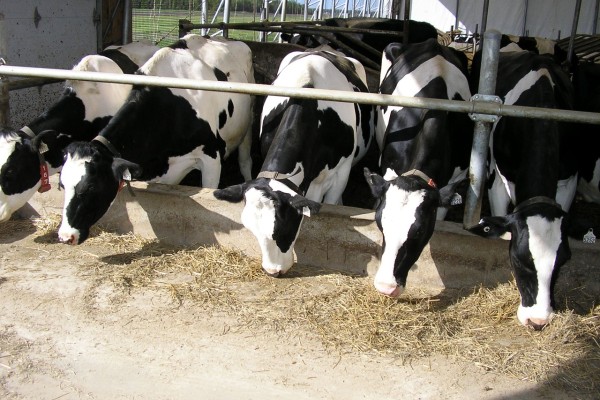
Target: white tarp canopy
549	19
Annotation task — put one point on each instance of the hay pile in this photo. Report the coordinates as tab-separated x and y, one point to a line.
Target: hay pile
349	316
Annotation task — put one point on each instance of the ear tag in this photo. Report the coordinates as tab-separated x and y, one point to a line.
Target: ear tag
486	229
456	200
306	211
43	148
44	177
589	237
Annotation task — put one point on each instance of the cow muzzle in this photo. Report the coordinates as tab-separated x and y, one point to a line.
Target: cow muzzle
68	236
390	290
537	324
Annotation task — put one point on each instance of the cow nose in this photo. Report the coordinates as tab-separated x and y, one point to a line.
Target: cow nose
390	291
537	323
70	240
272	274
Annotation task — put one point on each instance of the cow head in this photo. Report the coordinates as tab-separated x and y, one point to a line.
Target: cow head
91	177
273	212
406	215
538	248
21	160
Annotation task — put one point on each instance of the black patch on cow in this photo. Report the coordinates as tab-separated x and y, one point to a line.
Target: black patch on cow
222	119
230	107
21	171
124	62
159	125
220	75
179	44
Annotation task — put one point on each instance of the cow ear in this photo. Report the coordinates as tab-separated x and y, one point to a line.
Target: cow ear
376	182
48	136
125	170
304	205
448	192
392	51
232	194
491	227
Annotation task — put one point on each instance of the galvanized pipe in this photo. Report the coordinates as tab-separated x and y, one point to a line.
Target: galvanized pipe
126	21
573	31
203	16
484	15
481	137
477	107
226	13
596	9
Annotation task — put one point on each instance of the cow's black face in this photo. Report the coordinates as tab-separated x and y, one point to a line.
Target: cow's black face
273	213
538	248
19	173
91	180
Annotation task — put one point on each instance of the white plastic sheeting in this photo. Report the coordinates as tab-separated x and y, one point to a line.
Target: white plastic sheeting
542	18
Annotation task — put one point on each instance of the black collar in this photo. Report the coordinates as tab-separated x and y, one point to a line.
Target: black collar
536	200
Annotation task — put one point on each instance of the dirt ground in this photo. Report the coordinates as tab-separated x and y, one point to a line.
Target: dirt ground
64	336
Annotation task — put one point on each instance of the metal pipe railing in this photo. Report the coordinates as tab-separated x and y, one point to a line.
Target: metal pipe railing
481	133
475	107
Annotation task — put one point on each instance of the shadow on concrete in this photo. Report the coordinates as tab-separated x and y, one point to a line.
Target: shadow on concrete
15	229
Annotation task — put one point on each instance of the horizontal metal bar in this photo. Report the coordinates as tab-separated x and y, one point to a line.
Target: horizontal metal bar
308	93
31	82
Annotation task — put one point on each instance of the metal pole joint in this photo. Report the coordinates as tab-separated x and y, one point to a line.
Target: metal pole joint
485	98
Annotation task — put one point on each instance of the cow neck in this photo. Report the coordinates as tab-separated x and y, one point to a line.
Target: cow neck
536	200
108	145
281	177
42	148
421	175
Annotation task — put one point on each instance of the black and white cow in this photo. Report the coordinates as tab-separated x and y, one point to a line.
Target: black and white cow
424	153
309	147
418	31
586	79
29	156
533	167
162	134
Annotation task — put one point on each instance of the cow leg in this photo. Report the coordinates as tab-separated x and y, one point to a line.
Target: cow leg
334	194
565	192
211	171
244	157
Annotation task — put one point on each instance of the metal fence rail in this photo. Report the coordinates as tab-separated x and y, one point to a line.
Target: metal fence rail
481	108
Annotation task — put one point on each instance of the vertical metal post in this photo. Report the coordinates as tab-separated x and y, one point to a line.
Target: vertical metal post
306	10
573	32
525	18
283	10
126	21
354	6
456	19
264	15
595	25
481	134
345	15
4	96
226	13
320	10
484	16
405	28
204	16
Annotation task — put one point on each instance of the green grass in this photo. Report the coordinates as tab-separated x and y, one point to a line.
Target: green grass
163	27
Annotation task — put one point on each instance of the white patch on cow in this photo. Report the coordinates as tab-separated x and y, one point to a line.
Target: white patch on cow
397	217
512	48
258	216
412	83
544	240
390	174
526	83
11	203
72	172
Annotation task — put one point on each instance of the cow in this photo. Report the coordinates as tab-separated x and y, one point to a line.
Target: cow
418	31
532	167
309	147
424	153
162	134
586	80
30	155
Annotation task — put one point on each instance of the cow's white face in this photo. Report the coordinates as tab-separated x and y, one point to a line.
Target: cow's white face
538	248
19	173
260	217
91	179
273	212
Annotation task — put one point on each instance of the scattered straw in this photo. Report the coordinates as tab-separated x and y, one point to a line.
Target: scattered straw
347	314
